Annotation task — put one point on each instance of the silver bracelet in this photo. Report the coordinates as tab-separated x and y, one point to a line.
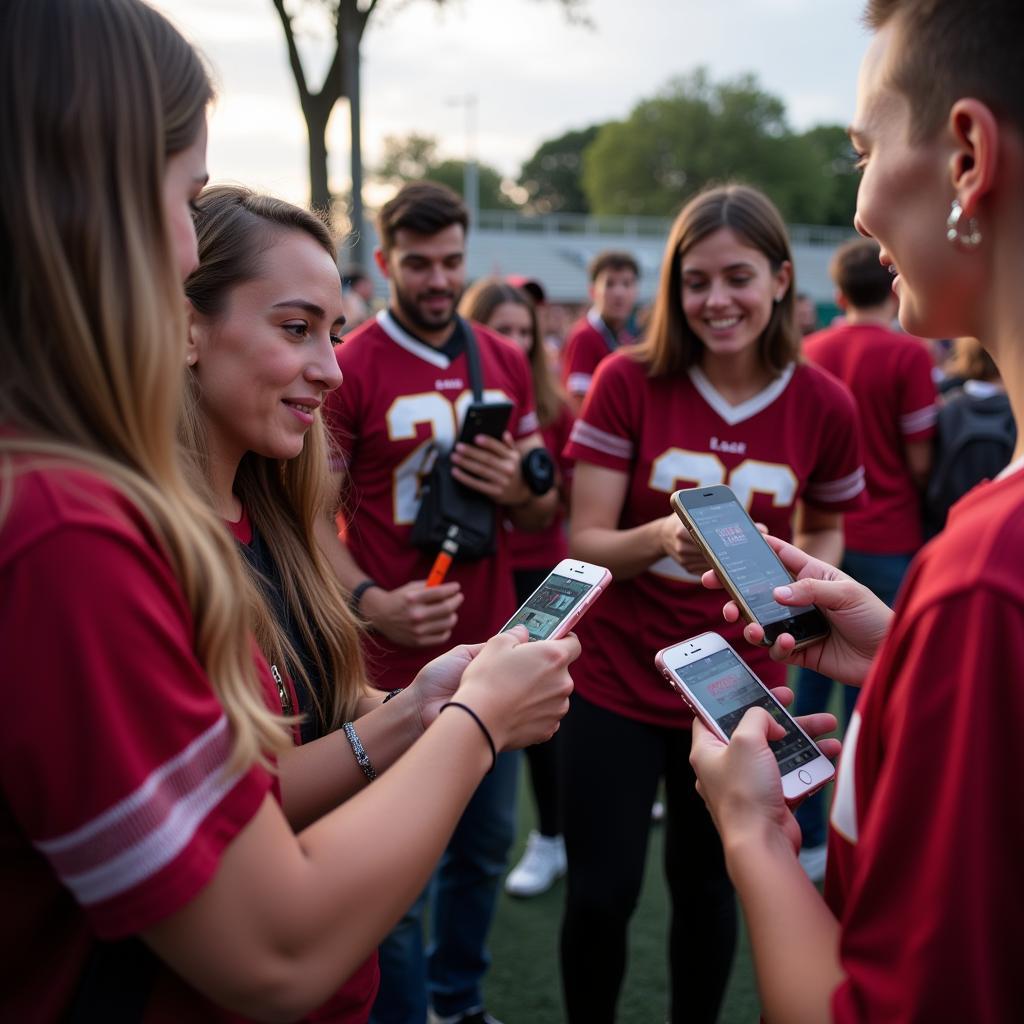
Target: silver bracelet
362	758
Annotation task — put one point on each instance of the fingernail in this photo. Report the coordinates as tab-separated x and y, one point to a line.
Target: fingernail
784	592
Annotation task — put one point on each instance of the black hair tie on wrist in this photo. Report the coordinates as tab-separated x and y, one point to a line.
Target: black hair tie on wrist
483	728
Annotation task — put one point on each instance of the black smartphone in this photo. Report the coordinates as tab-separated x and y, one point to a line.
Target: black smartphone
746	565
490	418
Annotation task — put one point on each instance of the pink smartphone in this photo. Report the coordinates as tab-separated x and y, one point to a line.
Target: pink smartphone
717	686
560	601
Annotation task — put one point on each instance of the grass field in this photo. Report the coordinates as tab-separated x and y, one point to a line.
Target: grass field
523	987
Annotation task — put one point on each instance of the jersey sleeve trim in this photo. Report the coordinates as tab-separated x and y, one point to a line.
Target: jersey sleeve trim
579	383
837	491
529	424
600	441
919	420
146	830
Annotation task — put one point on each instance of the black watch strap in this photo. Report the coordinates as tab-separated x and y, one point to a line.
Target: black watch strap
357	595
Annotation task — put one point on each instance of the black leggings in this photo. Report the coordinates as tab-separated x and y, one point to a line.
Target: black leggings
611	768
542	758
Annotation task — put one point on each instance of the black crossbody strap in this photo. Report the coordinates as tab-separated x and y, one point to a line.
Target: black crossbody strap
473	361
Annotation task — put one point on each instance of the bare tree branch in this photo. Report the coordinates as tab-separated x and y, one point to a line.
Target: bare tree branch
293	52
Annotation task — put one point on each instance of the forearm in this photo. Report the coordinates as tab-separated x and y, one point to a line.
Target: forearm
627	553
338	555
316	777
826	545
793	935
536	514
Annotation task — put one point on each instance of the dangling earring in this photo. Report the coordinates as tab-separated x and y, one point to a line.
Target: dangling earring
964	237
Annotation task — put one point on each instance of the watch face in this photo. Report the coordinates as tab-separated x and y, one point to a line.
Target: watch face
538	470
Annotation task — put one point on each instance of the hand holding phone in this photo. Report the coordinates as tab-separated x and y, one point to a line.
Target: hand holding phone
552	610
719	688
858	619
746	564
489	418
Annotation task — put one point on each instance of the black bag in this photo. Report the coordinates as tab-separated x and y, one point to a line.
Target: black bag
975	438
444	502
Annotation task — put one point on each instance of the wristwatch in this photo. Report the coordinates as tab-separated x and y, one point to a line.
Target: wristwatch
538	469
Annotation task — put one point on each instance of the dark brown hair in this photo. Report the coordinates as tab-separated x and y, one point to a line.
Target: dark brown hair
669	345
970	361
423	207
856	272
949	49
480	301
612	259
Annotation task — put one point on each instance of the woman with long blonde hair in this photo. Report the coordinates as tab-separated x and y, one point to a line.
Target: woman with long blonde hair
136	796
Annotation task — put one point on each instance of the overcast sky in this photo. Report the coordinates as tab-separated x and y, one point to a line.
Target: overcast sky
533	74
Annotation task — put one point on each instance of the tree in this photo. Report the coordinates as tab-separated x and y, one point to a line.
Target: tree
552	176
696	132
414	157
833	156
348	19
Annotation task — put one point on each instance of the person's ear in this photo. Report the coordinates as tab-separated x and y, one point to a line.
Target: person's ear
380	258
841	300
783	280
975	134
197	331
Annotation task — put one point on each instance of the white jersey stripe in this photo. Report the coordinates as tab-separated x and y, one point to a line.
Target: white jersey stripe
922	419
121	834
579	383
529	424
843	489
591	437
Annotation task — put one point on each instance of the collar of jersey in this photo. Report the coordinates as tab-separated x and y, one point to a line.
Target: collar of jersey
401	337
733	414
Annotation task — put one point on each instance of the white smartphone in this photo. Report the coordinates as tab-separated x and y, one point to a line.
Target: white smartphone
718	687
559	602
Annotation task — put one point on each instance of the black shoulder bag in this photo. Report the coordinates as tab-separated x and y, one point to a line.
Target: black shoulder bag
444	502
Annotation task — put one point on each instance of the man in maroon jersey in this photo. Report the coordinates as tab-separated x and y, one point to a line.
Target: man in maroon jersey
613	285
890	377
405	393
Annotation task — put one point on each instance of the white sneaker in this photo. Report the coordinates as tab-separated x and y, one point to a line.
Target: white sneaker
812	860
542	864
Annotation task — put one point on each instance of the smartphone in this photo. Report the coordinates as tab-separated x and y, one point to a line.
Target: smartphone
746	565
490	418
718	687
560	601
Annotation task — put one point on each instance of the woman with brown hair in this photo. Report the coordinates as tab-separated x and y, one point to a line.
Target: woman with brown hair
138	791
509	310
714	394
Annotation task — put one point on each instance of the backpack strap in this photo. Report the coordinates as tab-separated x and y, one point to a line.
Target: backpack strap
472	360
116	983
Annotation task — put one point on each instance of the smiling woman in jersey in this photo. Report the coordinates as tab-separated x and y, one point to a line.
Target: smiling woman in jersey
714	394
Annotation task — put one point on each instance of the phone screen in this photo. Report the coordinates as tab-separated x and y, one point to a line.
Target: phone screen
725	688
549	605
746	557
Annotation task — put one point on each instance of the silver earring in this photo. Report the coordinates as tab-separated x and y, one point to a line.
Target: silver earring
966	236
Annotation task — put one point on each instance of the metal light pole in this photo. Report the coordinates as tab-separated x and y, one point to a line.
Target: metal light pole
471	171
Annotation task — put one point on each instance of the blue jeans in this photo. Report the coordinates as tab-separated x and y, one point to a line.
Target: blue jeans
463	896
882	574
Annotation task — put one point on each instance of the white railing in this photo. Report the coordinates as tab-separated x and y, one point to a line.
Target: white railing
627	226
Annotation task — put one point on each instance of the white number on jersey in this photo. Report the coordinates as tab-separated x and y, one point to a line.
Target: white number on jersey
680	468
407	412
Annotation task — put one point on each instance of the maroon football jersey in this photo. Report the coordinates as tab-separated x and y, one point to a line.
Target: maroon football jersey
590	340
927	837
795	441
890	376
400	399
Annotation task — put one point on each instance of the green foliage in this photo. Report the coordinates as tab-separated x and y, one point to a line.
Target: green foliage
552	175
696	132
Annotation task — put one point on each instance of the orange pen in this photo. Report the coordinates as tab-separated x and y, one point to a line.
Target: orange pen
449	549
